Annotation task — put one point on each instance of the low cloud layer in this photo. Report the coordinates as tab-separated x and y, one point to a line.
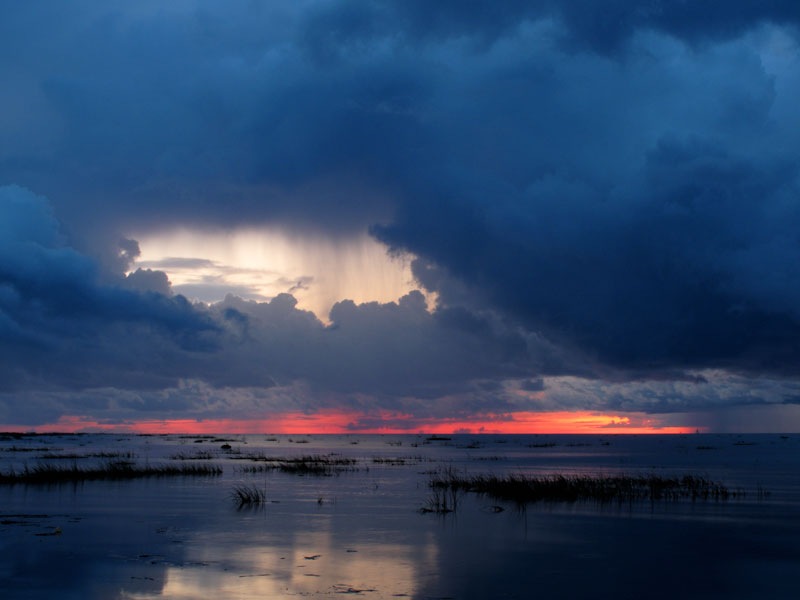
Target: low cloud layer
601	190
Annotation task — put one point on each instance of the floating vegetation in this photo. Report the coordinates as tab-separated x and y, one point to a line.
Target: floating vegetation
437	438
117	455
341	588
253	456
28	449
397	460
389	461
302	465
199	455
248	495
571	488
706	447
543	445
6	436
743	443
49	473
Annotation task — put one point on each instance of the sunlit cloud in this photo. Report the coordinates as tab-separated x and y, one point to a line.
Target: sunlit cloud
258	264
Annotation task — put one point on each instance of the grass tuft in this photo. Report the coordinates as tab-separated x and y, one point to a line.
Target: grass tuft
442	501
248	495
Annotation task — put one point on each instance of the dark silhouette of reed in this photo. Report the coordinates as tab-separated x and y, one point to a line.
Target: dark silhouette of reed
248	495
315	464
571	488
50	473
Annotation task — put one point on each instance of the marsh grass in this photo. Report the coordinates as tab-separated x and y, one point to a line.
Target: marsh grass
562	488
324	465
397	460
116	455
50	473
248	495
199	455
442	500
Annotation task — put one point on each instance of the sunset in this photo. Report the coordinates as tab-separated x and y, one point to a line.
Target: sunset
511	262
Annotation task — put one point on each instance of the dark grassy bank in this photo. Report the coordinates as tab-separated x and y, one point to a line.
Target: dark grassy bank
562	488
50	473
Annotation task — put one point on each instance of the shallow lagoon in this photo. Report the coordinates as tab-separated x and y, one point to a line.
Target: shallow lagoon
360	532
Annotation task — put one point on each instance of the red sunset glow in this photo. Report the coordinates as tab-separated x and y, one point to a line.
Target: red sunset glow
330	422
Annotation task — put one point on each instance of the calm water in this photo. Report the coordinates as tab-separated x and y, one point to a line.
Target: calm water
360	533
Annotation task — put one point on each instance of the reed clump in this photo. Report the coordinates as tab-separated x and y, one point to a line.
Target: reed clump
572	488
248	495
442	501
52	473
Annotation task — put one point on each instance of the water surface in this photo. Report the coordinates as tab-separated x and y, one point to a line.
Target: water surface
360	532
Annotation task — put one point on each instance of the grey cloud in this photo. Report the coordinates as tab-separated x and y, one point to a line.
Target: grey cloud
533	385
146	280
211	291
177	262
711	391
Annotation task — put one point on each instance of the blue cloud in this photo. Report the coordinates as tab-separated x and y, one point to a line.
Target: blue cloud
598	188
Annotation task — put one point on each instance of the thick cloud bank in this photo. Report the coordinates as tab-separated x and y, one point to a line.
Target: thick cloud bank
67	324
602	189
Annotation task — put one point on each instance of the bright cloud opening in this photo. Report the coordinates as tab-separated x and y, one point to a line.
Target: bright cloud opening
258	264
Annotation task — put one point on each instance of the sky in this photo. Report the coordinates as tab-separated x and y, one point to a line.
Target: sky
337	216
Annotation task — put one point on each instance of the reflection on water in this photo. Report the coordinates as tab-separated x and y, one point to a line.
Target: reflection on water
360	533
311	565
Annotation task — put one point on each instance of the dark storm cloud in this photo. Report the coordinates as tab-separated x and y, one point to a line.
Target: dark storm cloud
600	26
619	178
68	326
125	114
